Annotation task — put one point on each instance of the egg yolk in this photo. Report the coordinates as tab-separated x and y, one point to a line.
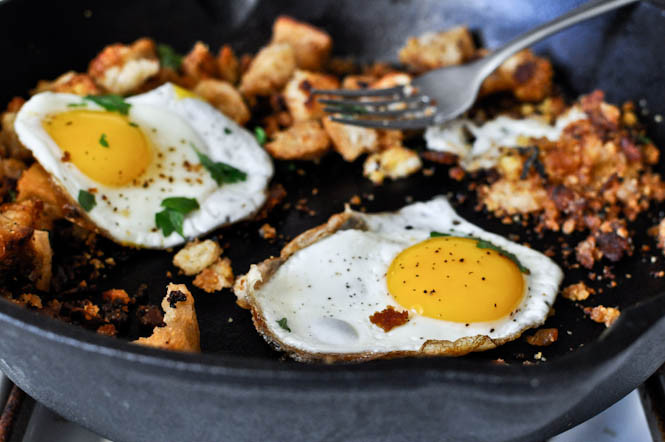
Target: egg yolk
105	146
450	278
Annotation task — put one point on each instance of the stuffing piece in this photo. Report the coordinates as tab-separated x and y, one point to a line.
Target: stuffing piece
299	100
215	277
394	162
269	71
70	82
122	69
267	231
199	63
514	196
543	337
117	296
181	329
351	141
225	98
305	140
602	314
311	45
35	183
436	50
196	256
228	65
526	75
577	292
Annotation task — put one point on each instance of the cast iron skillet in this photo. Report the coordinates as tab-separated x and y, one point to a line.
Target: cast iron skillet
239	389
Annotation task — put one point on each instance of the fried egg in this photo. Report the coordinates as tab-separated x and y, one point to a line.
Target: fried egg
480	146
125	164
420	281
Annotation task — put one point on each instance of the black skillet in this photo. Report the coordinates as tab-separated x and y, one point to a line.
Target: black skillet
239	389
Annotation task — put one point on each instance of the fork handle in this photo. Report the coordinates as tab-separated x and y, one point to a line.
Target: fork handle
583	12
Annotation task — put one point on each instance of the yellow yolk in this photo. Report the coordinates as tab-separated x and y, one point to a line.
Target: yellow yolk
181	93
102	145
450	278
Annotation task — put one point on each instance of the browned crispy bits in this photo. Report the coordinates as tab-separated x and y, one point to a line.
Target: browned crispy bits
389	318
543	337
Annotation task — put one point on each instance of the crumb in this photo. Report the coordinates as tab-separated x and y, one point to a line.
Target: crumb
107	329
543	337
116	296
602	314
217	276
267	231
355	200
196	256
577	292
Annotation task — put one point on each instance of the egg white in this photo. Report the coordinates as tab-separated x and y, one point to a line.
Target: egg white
328	290
493	135
173	124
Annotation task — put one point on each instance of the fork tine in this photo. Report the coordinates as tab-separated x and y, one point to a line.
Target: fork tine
375	103
415	123
359	110
391	91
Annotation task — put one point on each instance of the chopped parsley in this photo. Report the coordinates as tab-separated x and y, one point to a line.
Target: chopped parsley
84	104
86	200
227	131
282	323
168	57
260	135
643	139
172	218
103	141
222	173
131	123
111	102
484	244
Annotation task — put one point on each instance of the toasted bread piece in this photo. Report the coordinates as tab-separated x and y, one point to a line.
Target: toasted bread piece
526	75
299	100
305	140
435	50
228	65
269	71
215	277
199	63
351	141
225	98
70	82
311	45
196	256
395	162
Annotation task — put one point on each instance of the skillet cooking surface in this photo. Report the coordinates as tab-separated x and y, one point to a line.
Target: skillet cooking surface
620	53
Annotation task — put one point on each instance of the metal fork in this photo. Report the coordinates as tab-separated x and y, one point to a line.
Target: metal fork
445	93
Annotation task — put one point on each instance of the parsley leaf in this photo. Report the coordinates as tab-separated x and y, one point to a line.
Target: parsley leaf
282	323
181	204
172	218
111	102
484	244
168	57
86	200
221	172
227	131
84	104
131	123
103	141
260	135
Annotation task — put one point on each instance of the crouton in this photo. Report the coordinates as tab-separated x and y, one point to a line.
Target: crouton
351	141
181	332
311	45
41	255
395	162
122	69
199	63
70	82
305	140
436	50
298	96
225	98
196	256
116	296
357	81
392	79
543	337
228	65
602	314
577	292
524	74
269	71
389	138
35	183
215	277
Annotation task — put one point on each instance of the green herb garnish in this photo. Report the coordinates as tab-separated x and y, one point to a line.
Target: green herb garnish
131	123
643	139
484	244
111	102
260	135
84	104
168	57
282	323
221	172
103	141
172	218
227	131
86	200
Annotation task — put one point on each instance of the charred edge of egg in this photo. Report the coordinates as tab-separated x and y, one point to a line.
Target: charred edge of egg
259	274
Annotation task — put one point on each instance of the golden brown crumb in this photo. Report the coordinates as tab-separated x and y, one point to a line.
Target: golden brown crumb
225	98
543	337
267	231
298	96
107	329
70	82
215	277
435	50
358	81
526	75
122	69
355	200
305	140
116	296
199	63
269	71
196	256
602	314
577	292
395	162
392	79
389	318
181	329
30	300
311	45
228	65
351	141
39	251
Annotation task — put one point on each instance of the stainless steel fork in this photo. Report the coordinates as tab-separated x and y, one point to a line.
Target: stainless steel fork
445	93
